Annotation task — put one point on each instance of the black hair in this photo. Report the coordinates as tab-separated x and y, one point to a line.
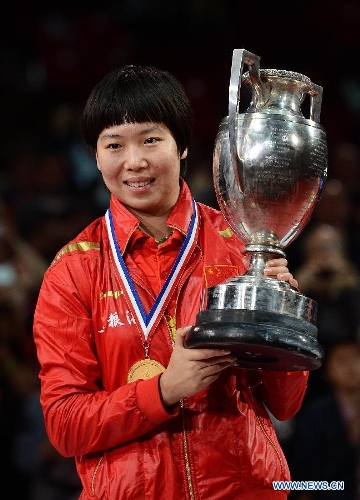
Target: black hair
137	94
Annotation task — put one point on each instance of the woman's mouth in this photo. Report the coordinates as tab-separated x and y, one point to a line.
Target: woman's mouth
138	184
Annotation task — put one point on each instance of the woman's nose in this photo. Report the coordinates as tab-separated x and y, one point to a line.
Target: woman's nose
134	158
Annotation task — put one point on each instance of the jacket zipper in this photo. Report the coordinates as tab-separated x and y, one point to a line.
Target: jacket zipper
186	454
94	476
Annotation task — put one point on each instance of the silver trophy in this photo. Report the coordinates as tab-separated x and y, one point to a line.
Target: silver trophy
270	166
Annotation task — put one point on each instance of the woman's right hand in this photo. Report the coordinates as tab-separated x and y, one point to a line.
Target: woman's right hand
191	370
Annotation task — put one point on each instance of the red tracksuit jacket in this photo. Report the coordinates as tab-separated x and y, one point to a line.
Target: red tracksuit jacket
217	445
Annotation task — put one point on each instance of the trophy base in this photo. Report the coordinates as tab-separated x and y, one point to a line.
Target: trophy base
263	340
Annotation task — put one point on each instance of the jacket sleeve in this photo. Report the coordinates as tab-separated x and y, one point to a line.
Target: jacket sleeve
80	417
281	392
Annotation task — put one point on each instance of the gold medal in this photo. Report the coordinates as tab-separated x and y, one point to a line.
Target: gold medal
144	369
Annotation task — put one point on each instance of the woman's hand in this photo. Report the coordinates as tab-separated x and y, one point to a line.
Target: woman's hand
191	370
277	268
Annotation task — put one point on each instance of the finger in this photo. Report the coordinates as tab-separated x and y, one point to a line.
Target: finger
284	276
181	334
275	271
217	366
288	277
209	357
280	262
206	355
293	282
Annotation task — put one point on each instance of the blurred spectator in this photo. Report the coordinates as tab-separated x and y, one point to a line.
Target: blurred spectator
326	440
329	277
21	269
334	208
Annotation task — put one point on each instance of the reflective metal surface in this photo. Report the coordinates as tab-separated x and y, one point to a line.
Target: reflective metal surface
270	166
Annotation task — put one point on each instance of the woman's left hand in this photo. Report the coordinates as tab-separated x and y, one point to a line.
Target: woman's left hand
277	268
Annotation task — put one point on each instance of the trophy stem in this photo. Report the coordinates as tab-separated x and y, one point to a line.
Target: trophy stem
260	255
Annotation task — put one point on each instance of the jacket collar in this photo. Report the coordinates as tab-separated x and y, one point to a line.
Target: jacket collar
125	222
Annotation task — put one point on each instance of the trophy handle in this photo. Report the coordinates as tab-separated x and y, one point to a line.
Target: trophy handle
240	57
315	102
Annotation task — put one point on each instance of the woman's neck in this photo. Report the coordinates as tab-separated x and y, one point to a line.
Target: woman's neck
154	226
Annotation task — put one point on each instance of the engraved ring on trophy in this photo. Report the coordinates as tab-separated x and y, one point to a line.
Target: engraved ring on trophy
269	167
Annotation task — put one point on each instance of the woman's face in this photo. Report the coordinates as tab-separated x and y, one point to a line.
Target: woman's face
140	165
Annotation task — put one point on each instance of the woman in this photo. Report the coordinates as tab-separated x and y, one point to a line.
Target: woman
145	417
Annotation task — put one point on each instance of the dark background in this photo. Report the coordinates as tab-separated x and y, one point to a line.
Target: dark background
53	53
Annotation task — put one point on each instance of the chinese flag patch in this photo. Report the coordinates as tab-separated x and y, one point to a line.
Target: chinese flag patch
218	273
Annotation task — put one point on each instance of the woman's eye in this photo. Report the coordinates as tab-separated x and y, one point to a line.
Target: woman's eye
151	140
113	146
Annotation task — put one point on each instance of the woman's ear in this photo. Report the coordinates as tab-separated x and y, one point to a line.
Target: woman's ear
184	155
97	162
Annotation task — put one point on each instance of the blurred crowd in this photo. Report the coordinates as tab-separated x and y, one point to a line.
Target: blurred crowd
50	189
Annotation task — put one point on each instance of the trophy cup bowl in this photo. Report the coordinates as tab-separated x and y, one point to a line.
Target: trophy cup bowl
269	166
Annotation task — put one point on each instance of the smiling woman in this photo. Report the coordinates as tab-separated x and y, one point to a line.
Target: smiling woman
117	383
140	165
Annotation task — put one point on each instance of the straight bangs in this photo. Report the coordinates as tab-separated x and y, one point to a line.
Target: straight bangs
137	95
136	106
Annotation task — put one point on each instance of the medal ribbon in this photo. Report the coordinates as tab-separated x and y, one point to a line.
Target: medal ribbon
147	321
